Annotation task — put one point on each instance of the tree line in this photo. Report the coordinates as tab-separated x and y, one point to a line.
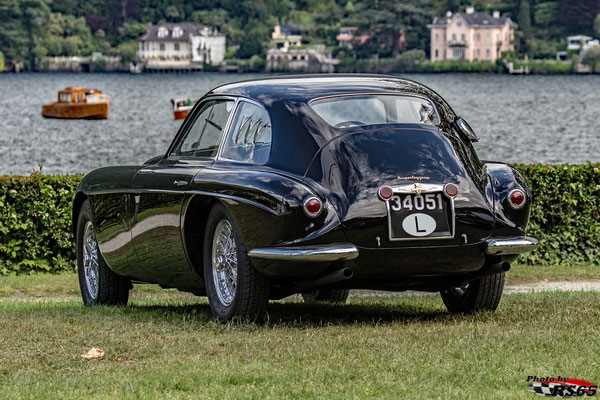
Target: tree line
31	29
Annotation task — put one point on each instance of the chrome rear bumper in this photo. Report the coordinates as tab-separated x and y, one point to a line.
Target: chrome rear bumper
516	245
318	253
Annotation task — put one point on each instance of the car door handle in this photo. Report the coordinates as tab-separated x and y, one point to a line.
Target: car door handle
180	183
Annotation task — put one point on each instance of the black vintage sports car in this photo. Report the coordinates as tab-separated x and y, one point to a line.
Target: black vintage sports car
312	185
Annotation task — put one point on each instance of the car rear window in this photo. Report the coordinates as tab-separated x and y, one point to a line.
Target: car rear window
358	110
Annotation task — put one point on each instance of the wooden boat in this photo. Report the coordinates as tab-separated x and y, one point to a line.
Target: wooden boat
76	103
181	107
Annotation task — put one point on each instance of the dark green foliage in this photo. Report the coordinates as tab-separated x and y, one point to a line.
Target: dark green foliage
35	223
35	218
525	17
462	66
546	66
30	28
564	214
579	14
591	57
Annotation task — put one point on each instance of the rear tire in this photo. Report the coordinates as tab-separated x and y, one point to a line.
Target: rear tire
98	283
326	296
233	286
479	295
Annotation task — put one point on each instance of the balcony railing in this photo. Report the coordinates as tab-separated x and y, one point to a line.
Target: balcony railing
457	43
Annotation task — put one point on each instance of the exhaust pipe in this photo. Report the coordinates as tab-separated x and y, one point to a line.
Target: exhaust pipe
332	277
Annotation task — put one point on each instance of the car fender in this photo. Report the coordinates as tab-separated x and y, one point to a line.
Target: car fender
504	178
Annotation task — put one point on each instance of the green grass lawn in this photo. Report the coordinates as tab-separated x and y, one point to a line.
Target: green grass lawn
166	344
61	285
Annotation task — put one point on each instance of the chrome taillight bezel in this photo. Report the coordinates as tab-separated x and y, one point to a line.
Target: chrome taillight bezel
307	211
510	200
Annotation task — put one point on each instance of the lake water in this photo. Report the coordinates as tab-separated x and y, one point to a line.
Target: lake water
529	119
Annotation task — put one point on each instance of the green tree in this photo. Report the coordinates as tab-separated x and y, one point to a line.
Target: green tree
350	9
1	61
100	34
39	51
72	46
32	17
215	17
172	13
597	25
387	19
250	45
13	39
133	29
591	57
127	51
579	14
54	45
524	18
546	13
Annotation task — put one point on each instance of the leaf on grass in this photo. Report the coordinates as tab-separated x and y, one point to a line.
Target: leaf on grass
93	353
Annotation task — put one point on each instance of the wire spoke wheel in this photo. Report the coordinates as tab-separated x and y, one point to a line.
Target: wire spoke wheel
90	260
224	262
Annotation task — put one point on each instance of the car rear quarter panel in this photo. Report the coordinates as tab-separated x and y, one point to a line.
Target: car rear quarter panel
504	178
266	204
107	191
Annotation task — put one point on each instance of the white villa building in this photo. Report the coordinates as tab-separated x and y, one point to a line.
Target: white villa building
180	45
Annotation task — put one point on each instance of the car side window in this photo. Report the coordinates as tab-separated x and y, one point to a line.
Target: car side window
204	136
249	139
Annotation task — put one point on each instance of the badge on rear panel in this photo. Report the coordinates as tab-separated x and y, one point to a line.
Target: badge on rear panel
419	224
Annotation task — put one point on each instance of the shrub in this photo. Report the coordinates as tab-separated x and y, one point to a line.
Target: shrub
35	218
460	66
564	213
35	223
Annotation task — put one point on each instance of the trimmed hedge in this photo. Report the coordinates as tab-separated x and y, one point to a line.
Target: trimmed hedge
564	213
35	218
35	223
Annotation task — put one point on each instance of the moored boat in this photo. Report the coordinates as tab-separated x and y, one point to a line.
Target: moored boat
77	103
181	107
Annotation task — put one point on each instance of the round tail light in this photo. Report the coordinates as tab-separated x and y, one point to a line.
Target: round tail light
313	207
451	190
516	198
385	192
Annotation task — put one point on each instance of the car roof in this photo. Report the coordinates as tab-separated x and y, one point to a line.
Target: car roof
298	132
304	88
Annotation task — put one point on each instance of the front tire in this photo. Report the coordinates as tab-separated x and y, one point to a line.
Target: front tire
98	283
326	296
233	286
479	295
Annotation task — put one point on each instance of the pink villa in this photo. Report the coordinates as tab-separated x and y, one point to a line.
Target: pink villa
471	36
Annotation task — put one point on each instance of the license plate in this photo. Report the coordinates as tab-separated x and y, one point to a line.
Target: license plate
420	216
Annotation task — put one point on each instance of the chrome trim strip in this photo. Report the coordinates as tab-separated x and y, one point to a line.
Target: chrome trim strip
187	192
188	123
227	196
229	127
423	188
516	245
316	253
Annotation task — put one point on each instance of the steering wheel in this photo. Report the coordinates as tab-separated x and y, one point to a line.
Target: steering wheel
348	124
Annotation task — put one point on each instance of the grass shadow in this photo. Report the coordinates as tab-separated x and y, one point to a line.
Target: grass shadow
310	315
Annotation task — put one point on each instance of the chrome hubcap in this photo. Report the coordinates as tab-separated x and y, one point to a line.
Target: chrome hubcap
224	262
90	260
460	291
